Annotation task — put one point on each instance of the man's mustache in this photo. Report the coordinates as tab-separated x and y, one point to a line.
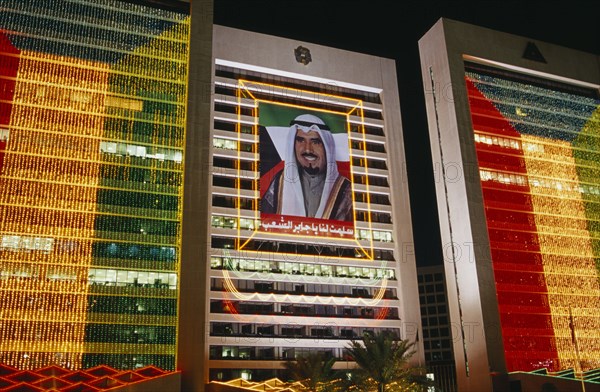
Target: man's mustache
309	154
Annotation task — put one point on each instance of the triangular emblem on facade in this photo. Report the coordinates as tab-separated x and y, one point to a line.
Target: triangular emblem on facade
533	53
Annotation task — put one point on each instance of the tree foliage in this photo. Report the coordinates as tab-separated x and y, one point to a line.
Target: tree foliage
315	372
383	363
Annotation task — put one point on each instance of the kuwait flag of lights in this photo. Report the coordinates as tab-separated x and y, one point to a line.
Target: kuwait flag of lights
538	150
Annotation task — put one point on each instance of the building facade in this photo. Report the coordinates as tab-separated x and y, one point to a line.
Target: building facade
93	111
514	127
283	282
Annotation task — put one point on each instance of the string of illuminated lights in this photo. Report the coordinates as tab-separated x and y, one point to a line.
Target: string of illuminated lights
53	169
544	194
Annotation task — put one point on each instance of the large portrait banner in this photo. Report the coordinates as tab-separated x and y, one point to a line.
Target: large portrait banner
305	182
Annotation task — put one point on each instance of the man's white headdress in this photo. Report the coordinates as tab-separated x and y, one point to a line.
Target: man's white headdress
292	198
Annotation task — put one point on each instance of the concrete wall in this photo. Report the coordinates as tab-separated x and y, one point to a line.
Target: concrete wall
192	349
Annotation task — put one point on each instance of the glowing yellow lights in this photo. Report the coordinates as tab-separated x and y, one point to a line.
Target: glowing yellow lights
84	132
567	254
51	297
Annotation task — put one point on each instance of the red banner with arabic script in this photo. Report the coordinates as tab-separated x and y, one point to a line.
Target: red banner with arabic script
300	225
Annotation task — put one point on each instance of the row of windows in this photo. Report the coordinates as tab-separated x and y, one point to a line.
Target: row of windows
373	198
275	353
434	321
137	334
368	129
138	199
234	109
249	166
149	279
326	329
43	304
133	105
560	185
433	299
229	144
300	248
228	222
230	182
134	251
439	356
39	143
234	202
375	147
436	344
128	361
267	308
233	127
432	288
371	216
22	272
142	131
436	277
135	225
303	288
162	69
36	331
370	163
27	243
132	305
304	269
371	180
144	177
443	332
144	152
288	90
116	177
101	276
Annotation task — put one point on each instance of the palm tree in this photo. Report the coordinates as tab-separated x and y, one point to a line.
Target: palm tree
314	371
382	362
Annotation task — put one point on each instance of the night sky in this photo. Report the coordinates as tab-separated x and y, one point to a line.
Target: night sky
392	29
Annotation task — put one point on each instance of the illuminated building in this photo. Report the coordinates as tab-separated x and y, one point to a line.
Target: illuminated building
282	284
92	123
514	130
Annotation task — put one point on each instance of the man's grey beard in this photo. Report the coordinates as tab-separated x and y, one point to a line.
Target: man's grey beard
311	170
